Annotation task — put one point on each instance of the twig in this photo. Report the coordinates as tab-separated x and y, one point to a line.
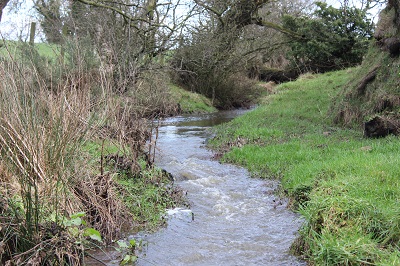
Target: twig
96	259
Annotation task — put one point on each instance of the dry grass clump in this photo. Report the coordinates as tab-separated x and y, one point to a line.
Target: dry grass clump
41	130
98	196
50	111
44	175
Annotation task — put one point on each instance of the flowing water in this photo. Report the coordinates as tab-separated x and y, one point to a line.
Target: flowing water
233	219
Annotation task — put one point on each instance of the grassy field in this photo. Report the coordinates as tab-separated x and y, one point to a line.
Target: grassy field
14	48
346	186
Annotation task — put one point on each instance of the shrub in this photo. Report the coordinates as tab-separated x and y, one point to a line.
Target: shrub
332	39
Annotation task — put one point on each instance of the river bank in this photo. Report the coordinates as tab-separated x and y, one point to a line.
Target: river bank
232	218
76	162
344	185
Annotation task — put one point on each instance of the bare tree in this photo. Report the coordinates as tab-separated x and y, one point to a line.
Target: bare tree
51	21
130	36
229	38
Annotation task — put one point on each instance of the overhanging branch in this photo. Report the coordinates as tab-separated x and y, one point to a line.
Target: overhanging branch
279	28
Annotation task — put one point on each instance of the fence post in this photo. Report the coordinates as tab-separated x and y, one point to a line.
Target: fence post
32	33
64	36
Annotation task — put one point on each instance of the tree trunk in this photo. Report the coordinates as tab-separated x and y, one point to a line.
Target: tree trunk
3	4
395	4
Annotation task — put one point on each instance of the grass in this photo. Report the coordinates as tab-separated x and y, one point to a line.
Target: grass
188	102
345	186
380	96
191	102
54	120
13	48
147	193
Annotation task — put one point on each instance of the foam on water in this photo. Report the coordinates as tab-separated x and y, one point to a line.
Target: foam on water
233	219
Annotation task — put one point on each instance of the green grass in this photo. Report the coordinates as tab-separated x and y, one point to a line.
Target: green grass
346	187
15	49
147	194
191	102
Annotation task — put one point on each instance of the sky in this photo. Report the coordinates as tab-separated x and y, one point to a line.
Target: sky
15	24
357	3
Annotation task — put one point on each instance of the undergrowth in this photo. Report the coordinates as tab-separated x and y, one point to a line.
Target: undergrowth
74	148
345	186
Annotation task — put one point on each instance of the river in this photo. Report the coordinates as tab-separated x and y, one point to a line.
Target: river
233	219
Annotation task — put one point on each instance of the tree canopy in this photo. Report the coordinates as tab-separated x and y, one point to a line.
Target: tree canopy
332	38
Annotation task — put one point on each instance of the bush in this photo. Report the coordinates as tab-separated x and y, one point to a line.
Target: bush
333	39
207	66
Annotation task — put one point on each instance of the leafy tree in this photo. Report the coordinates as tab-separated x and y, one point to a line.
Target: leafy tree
51	19
333	38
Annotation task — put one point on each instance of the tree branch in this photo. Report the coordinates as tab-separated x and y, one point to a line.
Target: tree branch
212	10
279	28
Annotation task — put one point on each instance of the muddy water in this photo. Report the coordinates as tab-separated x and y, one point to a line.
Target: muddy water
233	219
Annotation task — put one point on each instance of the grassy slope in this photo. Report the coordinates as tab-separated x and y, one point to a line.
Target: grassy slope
346	187
13	48
381	96
190	102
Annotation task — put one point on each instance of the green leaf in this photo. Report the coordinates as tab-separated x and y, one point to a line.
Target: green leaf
122	244
76	215
132	242
76	221
128	259
93	234
73	231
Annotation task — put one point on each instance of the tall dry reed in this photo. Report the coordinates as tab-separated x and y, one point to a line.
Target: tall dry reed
43	126
47	114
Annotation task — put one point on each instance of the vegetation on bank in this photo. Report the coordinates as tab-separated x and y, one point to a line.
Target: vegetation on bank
77	154
345	186
78	130
190	102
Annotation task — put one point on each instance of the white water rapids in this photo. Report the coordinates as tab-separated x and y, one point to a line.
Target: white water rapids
233	219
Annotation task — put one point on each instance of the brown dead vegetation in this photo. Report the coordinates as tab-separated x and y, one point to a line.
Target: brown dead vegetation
46	176
104	209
